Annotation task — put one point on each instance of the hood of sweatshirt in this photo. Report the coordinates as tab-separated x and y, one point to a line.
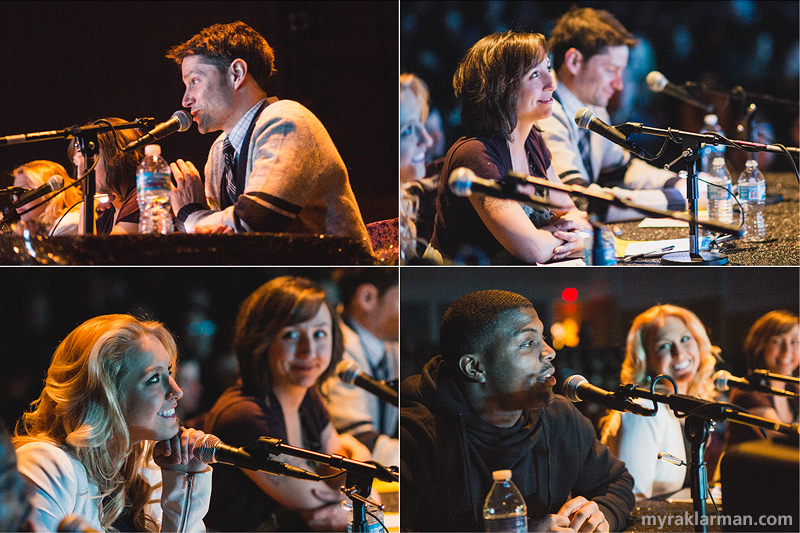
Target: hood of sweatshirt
475	448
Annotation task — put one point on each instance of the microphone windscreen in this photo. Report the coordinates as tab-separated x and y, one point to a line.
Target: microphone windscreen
203	448
656	81
347	370
583	117
720	379
571	385
461	181
184	119
56	182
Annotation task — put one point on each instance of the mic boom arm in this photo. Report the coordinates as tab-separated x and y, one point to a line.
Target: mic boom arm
610	199
372	469
684	406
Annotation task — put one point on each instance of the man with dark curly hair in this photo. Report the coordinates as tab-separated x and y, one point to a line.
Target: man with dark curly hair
274	168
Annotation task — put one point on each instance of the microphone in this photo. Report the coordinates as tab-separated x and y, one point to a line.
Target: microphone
586	119
577	388
53	184
658	83
350	372
74	524
464	182
209	449
724	380
181	120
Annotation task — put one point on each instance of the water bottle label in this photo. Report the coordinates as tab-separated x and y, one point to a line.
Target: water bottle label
152	181
753	192
513	524
373	526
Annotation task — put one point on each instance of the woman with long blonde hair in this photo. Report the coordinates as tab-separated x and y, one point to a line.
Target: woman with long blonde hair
668	340
102	440
47	216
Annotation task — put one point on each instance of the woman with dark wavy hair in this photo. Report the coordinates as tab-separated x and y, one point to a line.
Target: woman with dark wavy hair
772	344
287	342
115	176
504	86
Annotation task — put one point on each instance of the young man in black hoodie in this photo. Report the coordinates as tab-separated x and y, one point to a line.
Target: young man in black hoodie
487	403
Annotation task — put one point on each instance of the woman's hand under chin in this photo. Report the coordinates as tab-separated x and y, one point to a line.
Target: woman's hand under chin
176	453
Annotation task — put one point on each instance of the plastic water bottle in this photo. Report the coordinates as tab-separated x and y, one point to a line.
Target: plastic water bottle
709	152
504	509
374	518
752	196
719	192
152	192
606	255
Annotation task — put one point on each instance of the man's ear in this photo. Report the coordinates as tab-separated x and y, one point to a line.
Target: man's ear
366	296
471	366
237	72
573	60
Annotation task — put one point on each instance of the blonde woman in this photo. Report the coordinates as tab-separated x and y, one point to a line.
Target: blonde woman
414	144
669	340
47	216
102	441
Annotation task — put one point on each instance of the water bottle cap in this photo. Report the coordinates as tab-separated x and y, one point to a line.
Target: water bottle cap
711	119
152	149
719	161
751	163
501	475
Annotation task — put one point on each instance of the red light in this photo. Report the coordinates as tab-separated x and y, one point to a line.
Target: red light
569	294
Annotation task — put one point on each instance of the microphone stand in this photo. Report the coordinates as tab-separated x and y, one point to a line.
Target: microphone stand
690	143
766	374
358	481
86	138
599	201
762	376
700	418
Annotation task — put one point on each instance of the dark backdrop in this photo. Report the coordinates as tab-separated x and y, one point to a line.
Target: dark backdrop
66	63
721	44
728	300
198	305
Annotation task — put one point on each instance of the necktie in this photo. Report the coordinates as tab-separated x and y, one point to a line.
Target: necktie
230	168
380	371
585	148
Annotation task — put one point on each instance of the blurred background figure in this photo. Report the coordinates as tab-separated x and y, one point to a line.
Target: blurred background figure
417	195
53	217
668	340
115	176
15	490
188	377
370	312
772	344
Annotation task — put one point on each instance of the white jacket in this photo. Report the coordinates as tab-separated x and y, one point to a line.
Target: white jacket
63	488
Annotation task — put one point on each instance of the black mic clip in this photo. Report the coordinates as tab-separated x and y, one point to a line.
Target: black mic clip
146	123
625	394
